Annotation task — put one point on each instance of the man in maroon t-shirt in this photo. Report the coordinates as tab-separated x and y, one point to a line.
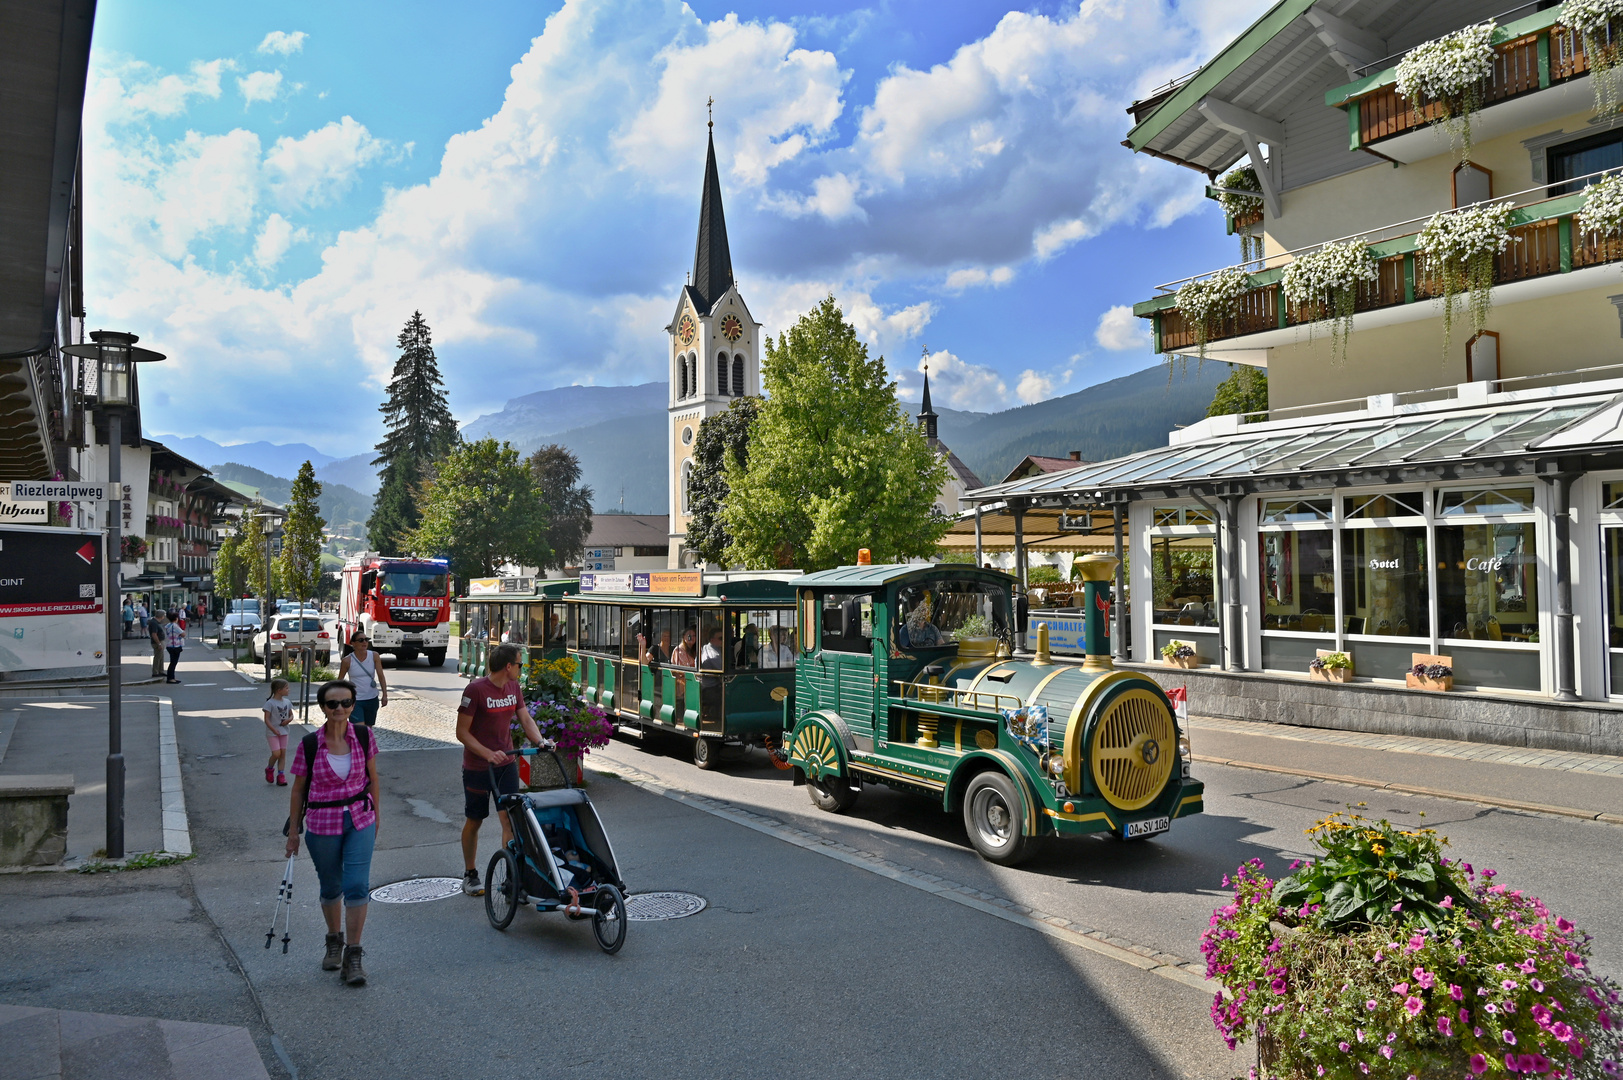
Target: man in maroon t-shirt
484	727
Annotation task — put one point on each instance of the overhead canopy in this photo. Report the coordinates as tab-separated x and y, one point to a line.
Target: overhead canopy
1040	530
1518	433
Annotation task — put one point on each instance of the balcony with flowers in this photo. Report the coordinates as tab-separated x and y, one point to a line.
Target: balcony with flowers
1487	79
1493	252
164	525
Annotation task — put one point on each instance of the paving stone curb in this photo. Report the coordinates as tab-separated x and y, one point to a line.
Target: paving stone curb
1410	789
1143	957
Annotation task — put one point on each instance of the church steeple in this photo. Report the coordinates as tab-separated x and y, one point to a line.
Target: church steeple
927	416
712	261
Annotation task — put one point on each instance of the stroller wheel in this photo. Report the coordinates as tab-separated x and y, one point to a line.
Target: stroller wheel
501	889
609	919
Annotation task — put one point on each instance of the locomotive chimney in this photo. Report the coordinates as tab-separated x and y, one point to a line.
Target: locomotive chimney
1096	570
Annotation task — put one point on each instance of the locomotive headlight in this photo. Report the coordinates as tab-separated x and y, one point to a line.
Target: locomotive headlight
1183	752
1056	765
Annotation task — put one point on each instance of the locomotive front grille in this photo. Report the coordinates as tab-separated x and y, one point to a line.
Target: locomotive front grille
1133	750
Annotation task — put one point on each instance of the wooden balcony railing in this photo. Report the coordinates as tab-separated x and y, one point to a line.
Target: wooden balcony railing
1540	247
1547	55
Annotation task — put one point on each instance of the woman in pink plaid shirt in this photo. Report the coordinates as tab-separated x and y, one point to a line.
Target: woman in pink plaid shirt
335	801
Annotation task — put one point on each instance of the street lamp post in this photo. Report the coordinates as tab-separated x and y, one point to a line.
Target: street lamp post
116	400
269	527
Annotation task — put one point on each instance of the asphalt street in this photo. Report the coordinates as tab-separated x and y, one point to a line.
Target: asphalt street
802	963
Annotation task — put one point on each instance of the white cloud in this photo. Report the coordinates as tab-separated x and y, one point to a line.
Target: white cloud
129	90
974	276
1034	386
322	164
280	41
1120	331
260	86
275	237
962	385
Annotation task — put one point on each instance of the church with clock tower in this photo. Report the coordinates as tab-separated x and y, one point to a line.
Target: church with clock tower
715	352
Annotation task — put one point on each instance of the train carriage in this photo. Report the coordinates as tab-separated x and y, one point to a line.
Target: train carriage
522	611
905	678
709	656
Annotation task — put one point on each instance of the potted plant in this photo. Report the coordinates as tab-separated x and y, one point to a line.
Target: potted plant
976	636
1430	673
1179	654
1331	667
574	728
1379	957
1450	73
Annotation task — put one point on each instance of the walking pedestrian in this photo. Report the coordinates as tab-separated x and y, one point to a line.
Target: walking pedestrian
364	668
129	616
141	614
155	631
484	727
334	799
278	713
174	638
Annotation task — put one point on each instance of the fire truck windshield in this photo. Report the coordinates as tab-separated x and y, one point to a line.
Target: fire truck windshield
413	583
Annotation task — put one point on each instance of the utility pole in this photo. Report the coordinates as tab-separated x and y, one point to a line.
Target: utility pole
115	638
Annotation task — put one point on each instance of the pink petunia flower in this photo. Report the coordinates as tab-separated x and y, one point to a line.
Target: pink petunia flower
1277	986
1573	959
1344	1047
1509	1036
1446	902
1528	966
1417	943
1563	925
1386	1052
1360	1033
1538	987
1401	988
1455	992
1561	1030
1398	906
1414	1005
1445	1026
1478	1064
1425	978
1370	1005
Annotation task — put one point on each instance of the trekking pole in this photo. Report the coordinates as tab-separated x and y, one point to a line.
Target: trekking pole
284	896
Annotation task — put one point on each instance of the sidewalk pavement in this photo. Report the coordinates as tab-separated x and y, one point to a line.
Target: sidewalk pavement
1541	781
46	1043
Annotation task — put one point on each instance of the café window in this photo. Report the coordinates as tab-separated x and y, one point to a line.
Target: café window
1490	501
1183	515
1384	582
1183	580
1487	582
1299	581
1386	504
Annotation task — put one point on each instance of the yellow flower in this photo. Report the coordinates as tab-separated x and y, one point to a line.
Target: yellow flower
1377	849
1391	875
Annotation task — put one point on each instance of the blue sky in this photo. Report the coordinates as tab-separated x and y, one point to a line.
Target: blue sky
272	191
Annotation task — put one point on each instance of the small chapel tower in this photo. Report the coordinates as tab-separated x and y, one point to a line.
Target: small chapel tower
715	351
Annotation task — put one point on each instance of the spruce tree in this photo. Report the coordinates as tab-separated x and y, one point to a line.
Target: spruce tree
420	433
299	566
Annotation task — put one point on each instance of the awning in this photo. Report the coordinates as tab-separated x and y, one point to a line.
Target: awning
1515	433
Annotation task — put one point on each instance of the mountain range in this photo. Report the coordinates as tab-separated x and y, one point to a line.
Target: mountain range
344	508
278	459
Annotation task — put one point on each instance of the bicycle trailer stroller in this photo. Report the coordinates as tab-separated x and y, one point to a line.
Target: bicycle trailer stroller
559	858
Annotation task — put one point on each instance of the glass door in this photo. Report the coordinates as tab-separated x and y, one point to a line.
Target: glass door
628	684
1612	539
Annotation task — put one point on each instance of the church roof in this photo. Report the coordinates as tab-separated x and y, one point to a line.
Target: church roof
955	465
712	260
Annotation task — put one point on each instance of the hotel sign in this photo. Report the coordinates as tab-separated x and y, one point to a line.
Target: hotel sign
648	582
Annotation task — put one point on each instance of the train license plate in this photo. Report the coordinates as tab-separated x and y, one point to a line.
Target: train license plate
1148	827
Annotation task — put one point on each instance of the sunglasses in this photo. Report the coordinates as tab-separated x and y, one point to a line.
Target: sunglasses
339	703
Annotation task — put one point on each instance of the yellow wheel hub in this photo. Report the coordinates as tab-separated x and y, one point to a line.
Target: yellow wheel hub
1133	750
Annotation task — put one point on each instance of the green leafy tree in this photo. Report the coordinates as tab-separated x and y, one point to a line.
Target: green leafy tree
231	561
481	510
569	504
722	438
251	543
1244	391
834	463
299	565
420	433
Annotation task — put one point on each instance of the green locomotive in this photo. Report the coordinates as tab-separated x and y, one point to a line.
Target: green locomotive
890	689
708	656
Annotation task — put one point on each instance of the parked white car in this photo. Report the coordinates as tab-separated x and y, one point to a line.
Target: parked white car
292	630
241	622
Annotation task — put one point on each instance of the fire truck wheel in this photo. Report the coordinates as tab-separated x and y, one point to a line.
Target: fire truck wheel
436	657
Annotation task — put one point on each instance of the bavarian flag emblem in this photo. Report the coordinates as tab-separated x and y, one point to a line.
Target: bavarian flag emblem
1029	727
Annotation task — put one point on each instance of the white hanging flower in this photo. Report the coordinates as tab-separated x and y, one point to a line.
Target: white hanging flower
1331	269
1209	302
1603	208
1590	16
1449	67
1592	20
1461	235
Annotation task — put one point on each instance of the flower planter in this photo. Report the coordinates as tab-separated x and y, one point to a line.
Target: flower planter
1420	682
1335	675
1182	661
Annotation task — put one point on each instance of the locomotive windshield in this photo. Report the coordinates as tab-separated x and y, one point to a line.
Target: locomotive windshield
414	583
935	614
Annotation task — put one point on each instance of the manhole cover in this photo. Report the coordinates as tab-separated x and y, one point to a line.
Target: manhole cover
417	890
654	906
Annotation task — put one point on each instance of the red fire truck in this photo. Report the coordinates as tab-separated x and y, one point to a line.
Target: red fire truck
403	605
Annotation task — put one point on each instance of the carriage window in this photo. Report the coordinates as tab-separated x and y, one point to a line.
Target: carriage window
848	621
635	637
518	625
599	628
555	626
473	625
712	642
765	640
931	612
676	637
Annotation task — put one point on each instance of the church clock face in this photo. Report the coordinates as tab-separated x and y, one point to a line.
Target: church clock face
686	329
731	328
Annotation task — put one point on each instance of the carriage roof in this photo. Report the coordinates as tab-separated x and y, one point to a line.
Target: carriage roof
877	575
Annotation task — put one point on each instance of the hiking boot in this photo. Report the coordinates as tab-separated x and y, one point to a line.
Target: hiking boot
470	884
270	774
352	975
281	780
335	952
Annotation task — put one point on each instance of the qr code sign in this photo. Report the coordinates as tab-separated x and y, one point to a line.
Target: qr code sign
87	592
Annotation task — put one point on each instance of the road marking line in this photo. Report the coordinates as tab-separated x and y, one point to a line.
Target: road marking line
1409	789
177	833
1142	957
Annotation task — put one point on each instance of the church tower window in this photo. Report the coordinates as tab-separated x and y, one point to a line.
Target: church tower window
687	482
721	374
681	377
738	375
